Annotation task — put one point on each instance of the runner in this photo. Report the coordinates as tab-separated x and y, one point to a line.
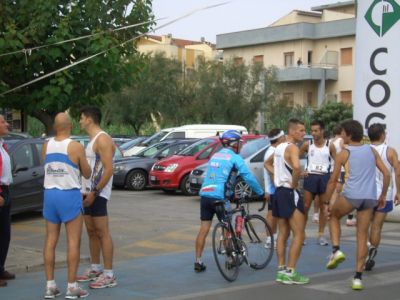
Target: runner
377	136
317	173
288	205
276	136
97	194
359	193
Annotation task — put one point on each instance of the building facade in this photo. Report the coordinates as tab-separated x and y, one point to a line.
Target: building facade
185	51
312	50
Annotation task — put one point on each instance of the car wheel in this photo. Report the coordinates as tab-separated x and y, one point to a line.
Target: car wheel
242	189
185	186
136	180
169	192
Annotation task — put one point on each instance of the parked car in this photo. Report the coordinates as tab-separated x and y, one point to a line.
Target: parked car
132	172
172	174
121	140
250	149
26	191
84	140
12	135
126	148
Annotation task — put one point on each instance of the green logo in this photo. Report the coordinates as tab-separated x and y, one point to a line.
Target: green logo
382	15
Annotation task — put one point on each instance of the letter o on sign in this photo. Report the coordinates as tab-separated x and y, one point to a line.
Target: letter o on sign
385	87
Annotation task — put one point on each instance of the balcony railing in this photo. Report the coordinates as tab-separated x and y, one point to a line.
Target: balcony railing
308	72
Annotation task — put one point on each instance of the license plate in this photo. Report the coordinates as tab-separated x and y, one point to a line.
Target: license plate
153	178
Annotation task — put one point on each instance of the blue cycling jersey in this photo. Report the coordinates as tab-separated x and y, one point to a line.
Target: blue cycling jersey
221	173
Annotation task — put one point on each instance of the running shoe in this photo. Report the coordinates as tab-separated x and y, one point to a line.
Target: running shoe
52	292
268	243
89	275
351	222
322	241
370	262
357	284
294	278
315	218
199	267
103	281
280	275
76	292
335	259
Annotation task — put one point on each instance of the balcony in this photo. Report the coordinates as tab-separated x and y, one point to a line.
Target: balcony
308	72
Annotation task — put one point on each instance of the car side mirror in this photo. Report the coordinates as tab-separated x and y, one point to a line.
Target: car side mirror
161	156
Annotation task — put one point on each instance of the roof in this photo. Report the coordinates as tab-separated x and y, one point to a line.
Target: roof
333	5
181	43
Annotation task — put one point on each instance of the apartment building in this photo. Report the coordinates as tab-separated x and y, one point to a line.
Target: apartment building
313	51
185	51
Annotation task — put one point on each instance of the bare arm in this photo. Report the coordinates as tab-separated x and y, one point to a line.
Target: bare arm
293	155
332	150
269	165
340	161
304	148
83	162
44	150
394	161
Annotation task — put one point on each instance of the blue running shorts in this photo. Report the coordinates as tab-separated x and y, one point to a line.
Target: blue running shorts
62	206
387	209
316	184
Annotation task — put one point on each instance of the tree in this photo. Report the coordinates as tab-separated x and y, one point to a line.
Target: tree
26	24
333	113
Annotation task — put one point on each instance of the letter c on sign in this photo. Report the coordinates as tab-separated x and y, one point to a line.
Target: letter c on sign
374	115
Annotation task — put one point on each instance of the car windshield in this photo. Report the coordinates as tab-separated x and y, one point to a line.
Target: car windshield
253	146
155	138
130	144
152	150
196	147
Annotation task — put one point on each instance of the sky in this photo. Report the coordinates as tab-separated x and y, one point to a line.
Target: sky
237	15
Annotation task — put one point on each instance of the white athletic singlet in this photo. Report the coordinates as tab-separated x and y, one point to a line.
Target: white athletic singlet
382	151
60	172
97	171
318	159
282	170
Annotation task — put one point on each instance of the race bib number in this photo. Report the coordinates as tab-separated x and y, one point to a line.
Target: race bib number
319	168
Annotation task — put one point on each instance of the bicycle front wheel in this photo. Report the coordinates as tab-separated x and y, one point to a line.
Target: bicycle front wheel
224	252
255	233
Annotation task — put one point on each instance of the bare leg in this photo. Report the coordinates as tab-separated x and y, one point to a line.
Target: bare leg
272	221
201	237
363	222
308	197
49	255
340	208
106	243
297	226
74	232
376	228
283	235
94	242
322	218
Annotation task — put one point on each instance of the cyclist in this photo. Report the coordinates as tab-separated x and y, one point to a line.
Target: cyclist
218	184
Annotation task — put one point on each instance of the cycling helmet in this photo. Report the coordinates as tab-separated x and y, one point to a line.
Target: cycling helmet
230	137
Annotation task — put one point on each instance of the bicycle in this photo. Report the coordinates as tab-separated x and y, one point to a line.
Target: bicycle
248	245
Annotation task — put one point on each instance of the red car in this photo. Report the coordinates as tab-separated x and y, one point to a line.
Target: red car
172	173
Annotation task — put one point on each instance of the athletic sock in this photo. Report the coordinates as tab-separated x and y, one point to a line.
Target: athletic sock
108	273
281	268
335	249
72	285
51	283
198	260
97	267
358	275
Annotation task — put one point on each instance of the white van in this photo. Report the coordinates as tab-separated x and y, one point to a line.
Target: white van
196	131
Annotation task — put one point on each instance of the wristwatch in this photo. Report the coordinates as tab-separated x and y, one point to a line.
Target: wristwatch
96	190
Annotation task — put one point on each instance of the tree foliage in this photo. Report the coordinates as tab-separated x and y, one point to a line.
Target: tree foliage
333	113
25	24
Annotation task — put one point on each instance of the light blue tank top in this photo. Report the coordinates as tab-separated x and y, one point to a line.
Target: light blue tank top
362	173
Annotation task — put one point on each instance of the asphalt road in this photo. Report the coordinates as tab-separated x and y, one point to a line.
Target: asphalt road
154	237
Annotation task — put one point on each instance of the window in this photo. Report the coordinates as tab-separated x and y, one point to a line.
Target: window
176	135
309	99
206	153
258	59
289	97
259	157
23	157
346	56
238	61
346	97
288	56
309	58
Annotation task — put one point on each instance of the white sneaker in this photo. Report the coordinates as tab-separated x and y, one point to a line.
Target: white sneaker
357	284
351	222
322	241
315	218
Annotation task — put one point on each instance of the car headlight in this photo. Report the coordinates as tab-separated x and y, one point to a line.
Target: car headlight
119	168
171	168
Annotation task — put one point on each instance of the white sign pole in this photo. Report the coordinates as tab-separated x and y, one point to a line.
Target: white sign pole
377	90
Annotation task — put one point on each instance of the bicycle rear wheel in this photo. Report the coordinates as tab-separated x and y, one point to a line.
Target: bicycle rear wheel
224	253
255	233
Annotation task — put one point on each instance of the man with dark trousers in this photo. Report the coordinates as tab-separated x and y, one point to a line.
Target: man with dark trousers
5	217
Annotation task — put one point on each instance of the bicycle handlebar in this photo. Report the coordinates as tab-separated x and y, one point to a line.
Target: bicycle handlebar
246	199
